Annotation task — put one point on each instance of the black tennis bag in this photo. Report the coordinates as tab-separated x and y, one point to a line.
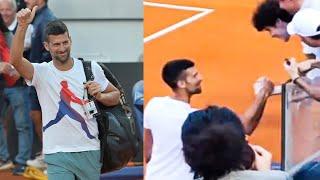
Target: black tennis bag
117	132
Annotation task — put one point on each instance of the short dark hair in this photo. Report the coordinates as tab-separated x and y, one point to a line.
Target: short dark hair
267	14
214	143
55	27
172	71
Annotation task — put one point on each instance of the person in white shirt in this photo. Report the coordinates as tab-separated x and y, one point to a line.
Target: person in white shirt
164	117
293	6
70	138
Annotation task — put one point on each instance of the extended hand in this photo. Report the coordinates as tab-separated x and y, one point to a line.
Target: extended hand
25	16
305	65
264	85
291	67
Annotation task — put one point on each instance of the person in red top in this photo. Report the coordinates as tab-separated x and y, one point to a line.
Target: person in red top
14	93
8	71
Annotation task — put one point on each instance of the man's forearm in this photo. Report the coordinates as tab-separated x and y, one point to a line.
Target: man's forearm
109	98
312	90
315	64
17	47
250	119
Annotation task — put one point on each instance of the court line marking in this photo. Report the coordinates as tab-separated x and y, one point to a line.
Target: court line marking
203	12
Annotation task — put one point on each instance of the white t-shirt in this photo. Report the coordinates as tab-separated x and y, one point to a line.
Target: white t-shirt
314	4
165	116
60	107
311	50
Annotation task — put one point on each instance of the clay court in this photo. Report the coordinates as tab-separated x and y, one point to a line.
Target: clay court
228	51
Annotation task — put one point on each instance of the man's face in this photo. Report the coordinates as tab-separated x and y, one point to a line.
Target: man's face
59	47
291	6
31	3
279	31
192	81
7	12
311	42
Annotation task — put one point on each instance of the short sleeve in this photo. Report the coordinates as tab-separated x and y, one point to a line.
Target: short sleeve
39	70
147	114
307	49
99	76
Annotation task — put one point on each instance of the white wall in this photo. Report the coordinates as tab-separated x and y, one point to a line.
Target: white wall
104	30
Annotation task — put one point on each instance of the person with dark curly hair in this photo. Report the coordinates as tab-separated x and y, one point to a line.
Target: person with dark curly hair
268	16
215	147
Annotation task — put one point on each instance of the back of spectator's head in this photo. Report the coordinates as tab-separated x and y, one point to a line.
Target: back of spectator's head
214	143
173	71
268	13
56	27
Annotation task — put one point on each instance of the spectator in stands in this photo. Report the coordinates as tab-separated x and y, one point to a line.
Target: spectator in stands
38	54
8	9
269	17
16	93
214	146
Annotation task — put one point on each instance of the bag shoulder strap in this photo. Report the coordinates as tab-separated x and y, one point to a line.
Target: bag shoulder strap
87	69
102	127
87	72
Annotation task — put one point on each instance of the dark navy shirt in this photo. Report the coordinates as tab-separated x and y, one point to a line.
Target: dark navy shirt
38	53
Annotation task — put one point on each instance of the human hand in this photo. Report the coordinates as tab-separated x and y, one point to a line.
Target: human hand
263	158
6	68
305	65
25	16
291	66
15	74
94	89
263	86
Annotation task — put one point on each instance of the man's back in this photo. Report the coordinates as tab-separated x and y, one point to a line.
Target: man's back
164	116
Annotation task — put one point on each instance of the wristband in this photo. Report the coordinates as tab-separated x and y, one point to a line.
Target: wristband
295	80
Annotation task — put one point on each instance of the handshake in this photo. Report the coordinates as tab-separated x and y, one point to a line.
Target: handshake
263	84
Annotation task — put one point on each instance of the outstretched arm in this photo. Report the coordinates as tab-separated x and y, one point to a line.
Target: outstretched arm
293	69
22	65
251	118
312	90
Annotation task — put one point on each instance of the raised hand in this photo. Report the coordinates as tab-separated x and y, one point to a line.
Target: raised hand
25	16
263	85
291	67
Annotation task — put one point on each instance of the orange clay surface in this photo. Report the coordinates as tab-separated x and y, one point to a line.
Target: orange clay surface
229	53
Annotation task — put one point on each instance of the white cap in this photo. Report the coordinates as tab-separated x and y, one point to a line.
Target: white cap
305	23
